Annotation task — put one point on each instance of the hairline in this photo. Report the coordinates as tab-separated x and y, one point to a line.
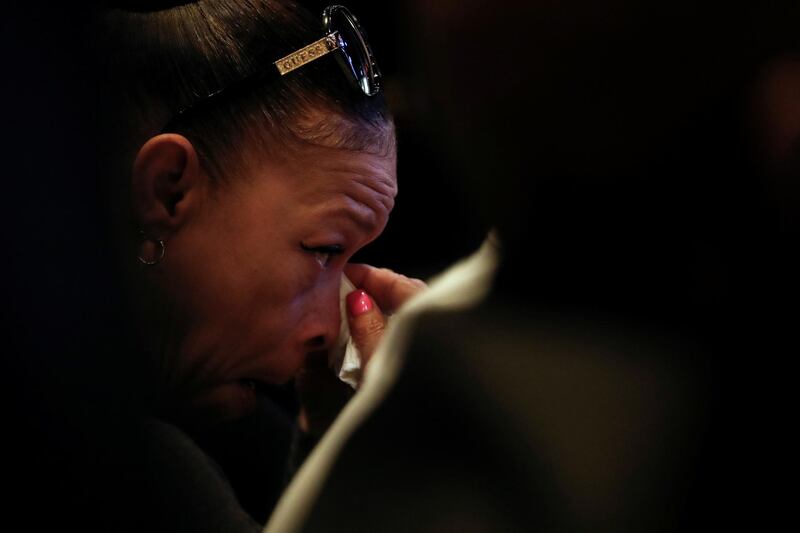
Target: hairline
320	126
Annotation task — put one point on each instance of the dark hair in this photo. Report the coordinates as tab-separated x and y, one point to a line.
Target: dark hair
155	62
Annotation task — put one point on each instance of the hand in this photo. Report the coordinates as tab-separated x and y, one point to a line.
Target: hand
379	291
322	395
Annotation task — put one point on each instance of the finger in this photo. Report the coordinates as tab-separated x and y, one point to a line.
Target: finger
366	323
389	289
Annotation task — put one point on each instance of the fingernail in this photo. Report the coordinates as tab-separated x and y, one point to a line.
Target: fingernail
358	303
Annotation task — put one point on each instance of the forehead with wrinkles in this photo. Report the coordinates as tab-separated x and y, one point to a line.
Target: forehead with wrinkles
323	181
332	166
339	182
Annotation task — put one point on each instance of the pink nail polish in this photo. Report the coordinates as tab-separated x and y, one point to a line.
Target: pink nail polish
358	303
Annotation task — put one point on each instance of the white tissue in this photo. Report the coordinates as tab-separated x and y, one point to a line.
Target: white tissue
345	359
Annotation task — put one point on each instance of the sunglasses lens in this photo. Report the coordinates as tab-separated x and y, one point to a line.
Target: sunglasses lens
357	55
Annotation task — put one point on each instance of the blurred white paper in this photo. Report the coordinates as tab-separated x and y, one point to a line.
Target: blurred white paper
345	359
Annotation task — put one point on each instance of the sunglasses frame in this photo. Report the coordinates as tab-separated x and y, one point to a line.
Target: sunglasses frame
332	42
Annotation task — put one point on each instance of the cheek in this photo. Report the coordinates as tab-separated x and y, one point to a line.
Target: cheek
244	288
237	259
280	312
261	294
256	298
247	322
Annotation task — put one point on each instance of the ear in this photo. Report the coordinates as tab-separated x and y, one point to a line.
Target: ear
167	185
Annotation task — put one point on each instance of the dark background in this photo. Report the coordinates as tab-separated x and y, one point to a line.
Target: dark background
736	293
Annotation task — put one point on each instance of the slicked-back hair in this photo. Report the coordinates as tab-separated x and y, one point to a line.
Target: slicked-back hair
154	61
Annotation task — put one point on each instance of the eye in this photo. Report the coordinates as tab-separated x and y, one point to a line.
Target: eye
323	254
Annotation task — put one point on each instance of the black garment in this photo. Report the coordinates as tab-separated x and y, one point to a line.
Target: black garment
83	467
259	453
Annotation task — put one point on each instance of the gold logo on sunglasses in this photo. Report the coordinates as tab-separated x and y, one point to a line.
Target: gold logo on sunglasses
307	54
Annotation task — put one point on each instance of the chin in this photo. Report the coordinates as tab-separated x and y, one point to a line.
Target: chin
223	403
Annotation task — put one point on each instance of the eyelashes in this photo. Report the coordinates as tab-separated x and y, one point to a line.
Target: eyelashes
324	254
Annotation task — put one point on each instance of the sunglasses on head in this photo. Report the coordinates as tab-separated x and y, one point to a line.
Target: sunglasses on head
343	37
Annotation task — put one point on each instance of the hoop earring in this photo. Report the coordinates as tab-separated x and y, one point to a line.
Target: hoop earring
162	250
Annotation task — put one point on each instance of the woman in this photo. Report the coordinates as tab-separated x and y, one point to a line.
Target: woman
246	205
239	193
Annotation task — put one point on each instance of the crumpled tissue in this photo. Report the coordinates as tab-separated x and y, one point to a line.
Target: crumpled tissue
345	358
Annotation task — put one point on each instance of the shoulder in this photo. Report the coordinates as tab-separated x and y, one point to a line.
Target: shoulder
176	485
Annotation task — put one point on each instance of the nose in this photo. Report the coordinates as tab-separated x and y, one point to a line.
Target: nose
321	329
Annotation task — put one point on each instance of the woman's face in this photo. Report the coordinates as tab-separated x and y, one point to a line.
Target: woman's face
252	281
